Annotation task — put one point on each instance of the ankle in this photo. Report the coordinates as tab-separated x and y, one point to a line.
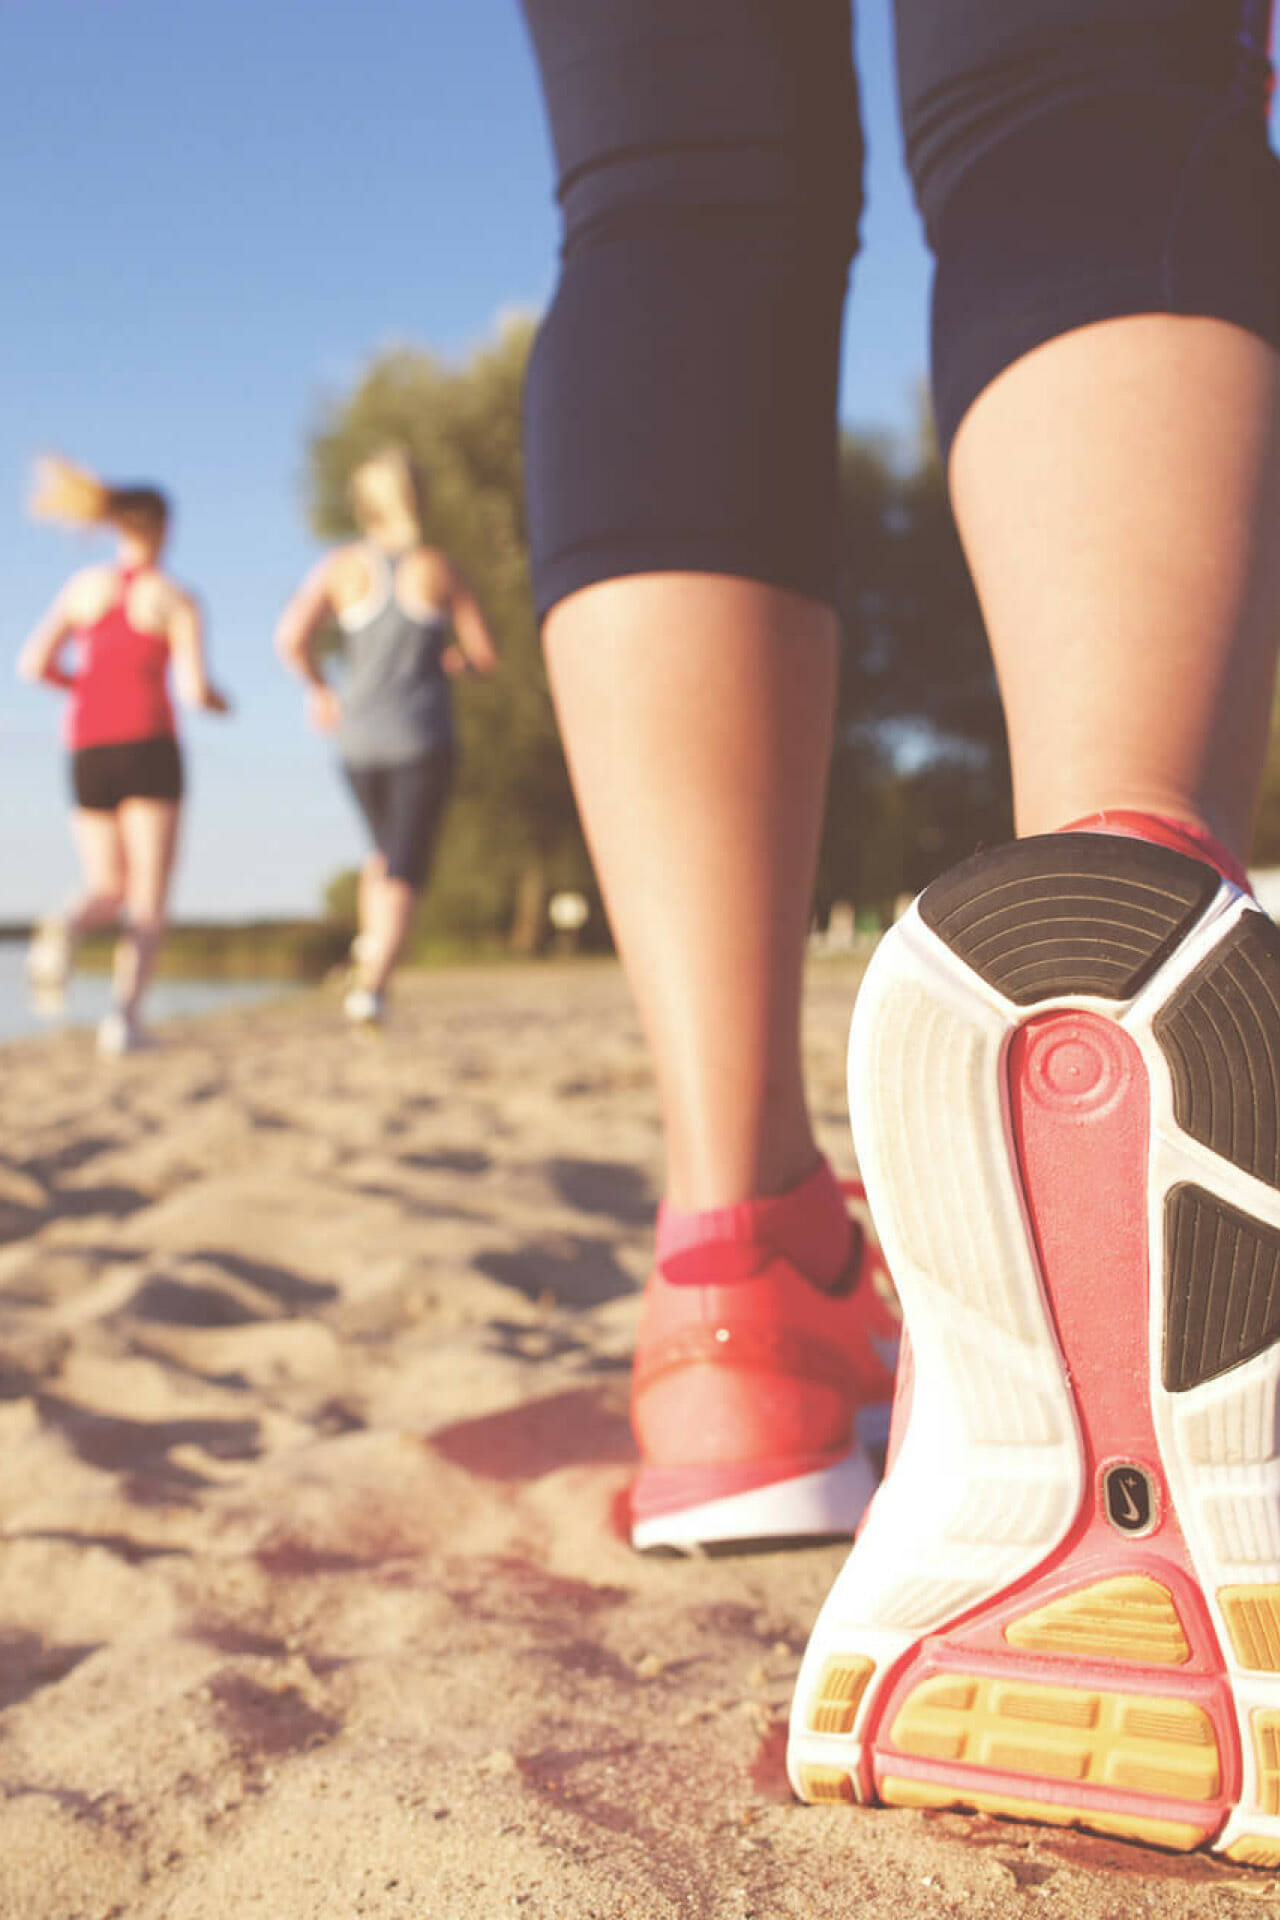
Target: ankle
808	1223
703	1174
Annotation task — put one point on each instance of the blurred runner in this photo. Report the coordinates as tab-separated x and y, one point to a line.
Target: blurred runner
124	623
409	624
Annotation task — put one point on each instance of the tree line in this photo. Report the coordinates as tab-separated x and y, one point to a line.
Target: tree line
920	776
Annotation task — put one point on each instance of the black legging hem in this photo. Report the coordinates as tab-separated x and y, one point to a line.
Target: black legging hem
977	359
1104	208
560	575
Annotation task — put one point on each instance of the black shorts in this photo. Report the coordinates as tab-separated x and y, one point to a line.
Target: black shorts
404	805
1074	160
104	777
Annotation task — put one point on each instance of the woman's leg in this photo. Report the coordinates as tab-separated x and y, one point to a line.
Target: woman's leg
386	915
1106	218
696	714
373	872
384	906
52	950
1065	1061
149	834
681	442
1118	491
101	849
383	934
681	449
411	805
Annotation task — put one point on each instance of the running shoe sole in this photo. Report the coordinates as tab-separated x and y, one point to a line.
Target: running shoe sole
1065	1601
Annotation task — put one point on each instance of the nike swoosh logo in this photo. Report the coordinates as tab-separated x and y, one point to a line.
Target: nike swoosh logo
1131	1510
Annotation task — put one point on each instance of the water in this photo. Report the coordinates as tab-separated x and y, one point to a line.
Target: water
88	997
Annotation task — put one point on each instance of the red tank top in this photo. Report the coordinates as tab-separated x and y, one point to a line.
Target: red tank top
121	688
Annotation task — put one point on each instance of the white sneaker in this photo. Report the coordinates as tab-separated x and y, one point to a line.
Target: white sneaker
118	1034
363	1007
49	956
1064	1605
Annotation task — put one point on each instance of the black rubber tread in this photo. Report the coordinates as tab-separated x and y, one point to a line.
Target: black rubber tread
1220	1033
1068	913
1221	1288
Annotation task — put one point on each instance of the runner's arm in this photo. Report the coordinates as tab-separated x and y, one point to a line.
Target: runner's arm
301	622
38	660
474	650
186	645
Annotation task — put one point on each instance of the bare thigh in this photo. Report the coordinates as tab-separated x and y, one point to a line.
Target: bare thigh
101	848
149	833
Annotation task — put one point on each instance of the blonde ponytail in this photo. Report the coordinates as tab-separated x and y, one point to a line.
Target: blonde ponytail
74	497
69	494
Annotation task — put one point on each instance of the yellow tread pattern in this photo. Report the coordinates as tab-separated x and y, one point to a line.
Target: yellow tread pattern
1134	1742
1180	1835
1266	1745
1252	1615
826	1785
1252	1850
1131	1618
841	1685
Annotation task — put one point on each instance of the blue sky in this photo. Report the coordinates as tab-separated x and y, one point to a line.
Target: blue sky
213	216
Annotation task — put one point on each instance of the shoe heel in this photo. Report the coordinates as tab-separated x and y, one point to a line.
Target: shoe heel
1065	1602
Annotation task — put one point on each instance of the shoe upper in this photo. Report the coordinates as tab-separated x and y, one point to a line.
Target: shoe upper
49	955
363	1006
117	1034
765	1365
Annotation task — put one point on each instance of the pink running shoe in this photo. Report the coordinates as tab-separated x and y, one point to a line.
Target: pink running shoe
757	1395
1065	1602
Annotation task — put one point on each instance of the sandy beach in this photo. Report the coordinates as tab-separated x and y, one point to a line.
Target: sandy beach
313	1603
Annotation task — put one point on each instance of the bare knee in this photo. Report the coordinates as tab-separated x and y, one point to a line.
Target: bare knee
146	923
99	908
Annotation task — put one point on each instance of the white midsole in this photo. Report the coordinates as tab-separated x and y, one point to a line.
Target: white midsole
808	1506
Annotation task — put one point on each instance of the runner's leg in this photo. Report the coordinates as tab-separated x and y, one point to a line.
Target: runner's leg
391	910
372	873
149	834
1135	613
98	842
681	411
413	801
1106	220
702	794
1064	1066
681	451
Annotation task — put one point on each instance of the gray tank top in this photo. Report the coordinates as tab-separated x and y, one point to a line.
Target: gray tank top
396	702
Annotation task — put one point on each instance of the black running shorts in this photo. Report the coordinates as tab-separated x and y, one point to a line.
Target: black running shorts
403	805
103	777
